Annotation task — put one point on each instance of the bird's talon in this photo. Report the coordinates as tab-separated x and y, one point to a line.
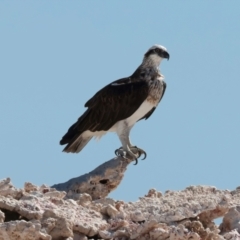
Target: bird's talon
132	153
145	155
136	162
116	153
120	153
140	152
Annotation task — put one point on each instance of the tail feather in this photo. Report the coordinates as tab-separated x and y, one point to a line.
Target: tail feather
76	145
76	130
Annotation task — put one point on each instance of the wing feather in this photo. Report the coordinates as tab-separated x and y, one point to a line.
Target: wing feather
114	102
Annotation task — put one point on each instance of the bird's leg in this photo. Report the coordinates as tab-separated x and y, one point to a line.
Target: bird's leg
137	150
128	149
125	150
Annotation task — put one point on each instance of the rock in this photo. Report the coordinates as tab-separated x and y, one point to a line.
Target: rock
46	213
97	183
79	236
22	230
84	199
153	193
2	216
7	189
231	220
137	216
29	187
232	235
112	211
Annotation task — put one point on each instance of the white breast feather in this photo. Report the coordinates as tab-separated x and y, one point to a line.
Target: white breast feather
141	111
119	126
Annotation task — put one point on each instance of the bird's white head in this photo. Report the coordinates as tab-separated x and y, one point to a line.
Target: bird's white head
155	55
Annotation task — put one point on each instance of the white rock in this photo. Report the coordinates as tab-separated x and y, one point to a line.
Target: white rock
22	230
231	220
7	189
111	211
137	216
181	215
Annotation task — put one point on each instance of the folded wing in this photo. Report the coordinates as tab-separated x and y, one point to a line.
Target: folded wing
115	102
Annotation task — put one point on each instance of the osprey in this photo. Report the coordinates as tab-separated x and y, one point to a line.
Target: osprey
119	105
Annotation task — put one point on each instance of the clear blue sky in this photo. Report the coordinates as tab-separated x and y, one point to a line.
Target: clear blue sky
54	55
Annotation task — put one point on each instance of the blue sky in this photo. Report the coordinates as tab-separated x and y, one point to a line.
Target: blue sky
55	55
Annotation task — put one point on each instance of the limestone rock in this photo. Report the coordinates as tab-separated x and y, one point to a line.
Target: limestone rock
44	213
99	182
22	230
231	220
2	216
232	235
7	189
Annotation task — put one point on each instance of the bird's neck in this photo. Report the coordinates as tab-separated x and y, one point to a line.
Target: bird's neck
149	67
152	61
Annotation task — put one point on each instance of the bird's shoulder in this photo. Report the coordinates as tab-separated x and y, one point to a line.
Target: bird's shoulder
128	87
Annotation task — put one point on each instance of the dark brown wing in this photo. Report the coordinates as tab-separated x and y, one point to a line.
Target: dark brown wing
153	109
115	102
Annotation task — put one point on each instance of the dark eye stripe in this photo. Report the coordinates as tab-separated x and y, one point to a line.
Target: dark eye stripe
155	50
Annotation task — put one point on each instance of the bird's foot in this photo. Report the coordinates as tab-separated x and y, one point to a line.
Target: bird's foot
131	153
139	151
120	152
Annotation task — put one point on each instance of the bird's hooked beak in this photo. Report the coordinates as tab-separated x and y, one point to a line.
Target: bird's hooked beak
166	55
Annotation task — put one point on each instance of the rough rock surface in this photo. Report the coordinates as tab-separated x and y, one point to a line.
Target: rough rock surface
44	213
97	183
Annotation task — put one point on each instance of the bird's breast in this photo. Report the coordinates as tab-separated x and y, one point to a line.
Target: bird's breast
124	125
144	108
155	90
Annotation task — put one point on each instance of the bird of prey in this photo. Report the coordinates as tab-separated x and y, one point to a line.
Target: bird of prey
119	105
